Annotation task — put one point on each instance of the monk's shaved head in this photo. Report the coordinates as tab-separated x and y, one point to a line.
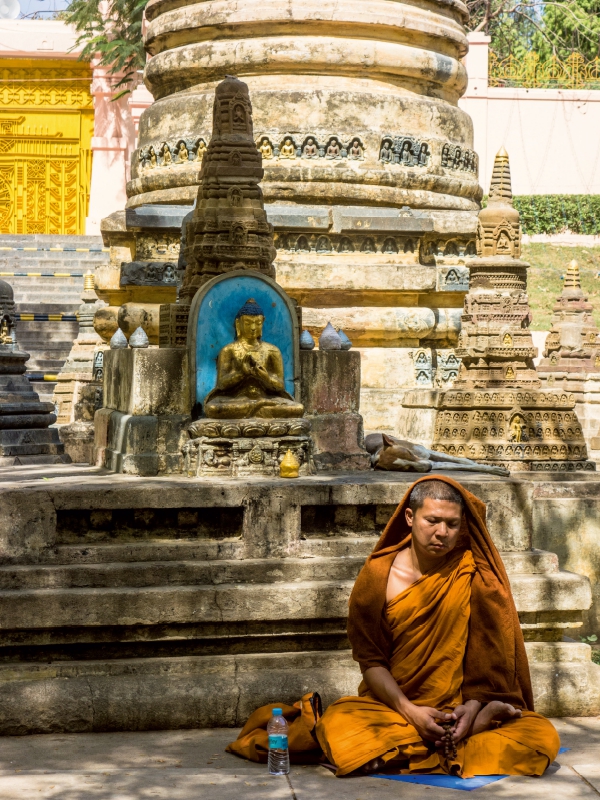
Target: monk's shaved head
436	490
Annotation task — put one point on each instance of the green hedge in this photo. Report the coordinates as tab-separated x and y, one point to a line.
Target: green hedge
555	213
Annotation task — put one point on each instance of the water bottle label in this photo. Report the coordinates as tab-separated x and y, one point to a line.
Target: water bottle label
278	741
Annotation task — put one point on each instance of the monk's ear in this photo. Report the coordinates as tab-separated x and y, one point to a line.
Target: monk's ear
387	442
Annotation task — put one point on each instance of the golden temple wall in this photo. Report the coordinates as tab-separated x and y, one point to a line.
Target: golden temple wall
46	129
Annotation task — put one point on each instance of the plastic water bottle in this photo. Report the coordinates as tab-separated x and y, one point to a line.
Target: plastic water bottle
279	756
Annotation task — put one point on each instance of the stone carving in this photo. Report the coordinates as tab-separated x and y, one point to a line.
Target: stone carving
248	428
456	157
448	365
157	247
422	359
98	366
573	343
312	147
229	228
404	150
453	279
250	380
400	455
148	273
499	228
495	411
171	154
229	456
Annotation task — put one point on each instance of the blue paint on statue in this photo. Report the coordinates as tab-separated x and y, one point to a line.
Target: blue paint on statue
216	327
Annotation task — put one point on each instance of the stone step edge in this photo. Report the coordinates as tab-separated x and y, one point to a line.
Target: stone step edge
216	543
561	652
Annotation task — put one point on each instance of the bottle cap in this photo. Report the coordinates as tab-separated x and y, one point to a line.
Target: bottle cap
276	712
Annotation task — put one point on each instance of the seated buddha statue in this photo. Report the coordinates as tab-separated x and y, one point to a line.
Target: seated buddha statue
250	380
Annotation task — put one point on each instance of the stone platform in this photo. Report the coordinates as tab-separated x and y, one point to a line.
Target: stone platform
192	765
131	603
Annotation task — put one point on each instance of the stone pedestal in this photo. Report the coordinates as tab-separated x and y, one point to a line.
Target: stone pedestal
330	394
140	429
244	447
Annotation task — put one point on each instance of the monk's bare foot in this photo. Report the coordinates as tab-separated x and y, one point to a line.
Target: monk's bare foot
374	765
495	711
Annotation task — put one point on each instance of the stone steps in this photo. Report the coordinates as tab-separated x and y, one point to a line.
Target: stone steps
48	342
142	603
178	573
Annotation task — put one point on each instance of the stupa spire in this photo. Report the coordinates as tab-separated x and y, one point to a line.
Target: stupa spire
500	186
499	226
572	279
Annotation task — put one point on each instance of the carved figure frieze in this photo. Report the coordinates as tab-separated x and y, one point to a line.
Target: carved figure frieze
423	363
172	154
458	158
322	244
148	273
157	247
404	150
312	147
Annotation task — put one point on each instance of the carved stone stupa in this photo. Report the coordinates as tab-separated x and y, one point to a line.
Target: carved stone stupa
229	229
572	354
496	411
25	435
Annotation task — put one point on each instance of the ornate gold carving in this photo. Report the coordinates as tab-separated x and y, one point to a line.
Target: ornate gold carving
45	157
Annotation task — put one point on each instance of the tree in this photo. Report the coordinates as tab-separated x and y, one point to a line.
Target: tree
113	30
546	27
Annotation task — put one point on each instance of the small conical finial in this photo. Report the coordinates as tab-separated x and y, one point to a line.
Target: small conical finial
290	466
500	185
572	279
88	281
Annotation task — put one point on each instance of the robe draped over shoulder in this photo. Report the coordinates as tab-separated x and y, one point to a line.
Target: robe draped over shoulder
428	626
495	664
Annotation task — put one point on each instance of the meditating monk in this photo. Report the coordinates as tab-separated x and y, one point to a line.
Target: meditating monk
433	625
434	628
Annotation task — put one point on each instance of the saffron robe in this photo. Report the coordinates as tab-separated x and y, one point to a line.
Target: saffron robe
429	628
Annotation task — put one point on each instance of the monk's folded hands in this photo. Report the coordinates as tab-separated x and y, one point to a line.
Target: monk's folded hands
465	715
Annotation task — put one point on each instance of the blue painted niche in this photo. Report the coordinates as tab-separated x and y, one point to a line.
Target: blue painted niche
216	306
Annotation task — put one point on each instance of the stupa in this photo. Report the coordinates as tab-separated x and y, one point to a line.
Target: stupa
572	356
229	352
370	178
25	435
497	410
78	391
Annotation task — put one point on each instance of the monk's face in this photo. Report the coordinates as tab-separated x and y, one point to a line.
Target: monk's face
435	527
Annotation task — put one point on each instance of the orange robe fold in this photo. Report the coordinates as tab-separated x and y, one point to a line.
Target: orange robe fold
429	629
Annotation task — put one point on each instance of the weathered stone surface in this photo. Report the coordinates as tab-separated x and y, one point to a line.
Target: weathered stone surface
330	381
147	381
339	442
495	411
145	595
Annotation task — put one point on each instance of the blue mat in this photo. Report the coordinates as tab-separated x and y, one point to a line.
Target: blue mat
450	781
446	781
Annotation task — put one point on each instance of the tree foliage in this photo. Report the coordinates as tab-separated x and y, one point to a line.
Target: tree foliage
547	27
111	30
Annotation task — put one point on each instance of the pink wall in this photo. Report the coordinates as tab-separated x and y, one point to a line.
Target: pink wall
551	135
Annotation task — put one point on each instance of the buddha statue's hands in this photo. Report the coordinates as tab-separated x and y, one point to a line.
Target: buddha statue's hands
252	367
